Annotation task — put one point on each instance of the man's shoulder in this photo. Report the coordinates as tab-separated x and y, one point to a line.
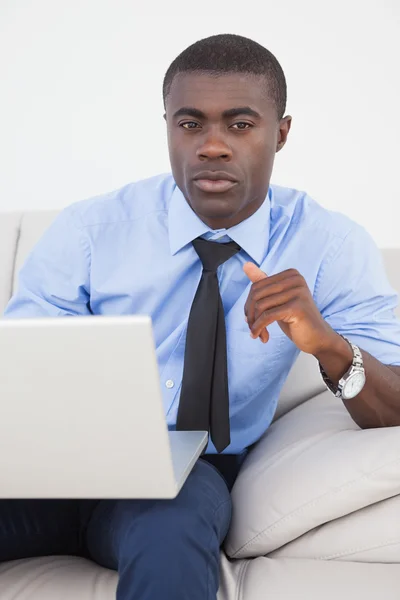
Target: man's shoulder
300	210
128	203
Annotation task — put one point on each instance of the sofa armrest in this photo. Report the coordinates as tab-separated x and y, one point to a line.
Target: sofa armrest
312	466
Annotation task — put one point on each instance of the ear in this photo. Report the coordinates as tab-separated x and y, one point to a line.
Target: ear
165	116
284	128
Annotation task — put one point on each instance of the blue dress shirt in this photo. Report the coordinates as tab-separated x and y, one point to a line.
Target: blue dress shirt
130	252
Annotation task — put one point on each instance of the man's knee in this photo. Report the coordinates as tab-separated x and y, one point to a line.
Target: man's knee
202	508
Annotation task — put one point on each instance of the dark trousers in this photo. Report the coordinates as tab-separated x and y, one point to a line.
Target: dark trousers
162	549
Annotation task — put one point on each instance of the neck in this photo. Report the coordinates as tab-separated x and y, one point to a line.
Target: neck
228	221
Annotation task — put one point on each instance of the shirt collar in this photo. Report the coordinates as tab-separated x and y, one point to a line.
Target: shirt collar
252	234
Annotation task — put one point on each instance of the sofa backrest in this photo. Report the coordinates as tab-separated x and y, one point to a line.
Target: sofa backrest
19	232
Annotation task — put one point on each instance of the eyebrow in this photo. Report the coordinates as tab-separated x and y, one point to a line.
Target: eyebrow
231	112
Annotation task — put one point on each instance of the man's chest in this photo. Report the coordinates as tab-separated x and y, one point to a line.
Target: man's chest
155	282
163	286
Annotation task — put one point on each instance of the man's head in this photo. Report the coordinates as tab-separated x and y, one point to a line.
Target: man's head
225	99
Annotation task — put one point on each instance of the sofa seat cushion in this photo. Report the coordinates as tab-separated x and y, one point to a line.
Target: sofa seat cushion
56	578
300	579
312	466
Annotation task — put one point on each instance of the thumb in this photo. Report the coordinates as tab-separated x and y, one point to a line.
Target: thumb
253	272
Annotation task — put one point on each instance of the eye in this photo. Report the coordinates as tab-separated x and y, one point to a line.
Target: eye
189	125
242	125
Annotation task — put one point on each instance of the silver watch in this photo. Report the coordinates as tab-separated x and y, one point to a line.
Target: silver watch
353	381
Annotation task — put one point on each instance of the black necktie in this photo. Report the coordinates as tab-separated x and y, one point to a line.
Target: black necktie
204	400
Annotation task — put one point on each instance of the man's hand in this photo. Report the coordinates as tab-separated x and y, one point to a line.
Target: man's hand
285	298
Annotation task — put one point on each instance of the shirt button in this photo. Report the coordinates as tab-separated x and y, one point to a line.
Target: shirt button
169	384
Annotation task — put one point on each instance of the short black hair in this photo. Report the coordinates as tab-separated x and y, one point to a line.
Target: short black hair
229	53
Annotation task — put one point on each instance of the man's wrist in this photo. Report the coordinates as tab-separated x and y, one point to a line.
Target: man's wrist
335	357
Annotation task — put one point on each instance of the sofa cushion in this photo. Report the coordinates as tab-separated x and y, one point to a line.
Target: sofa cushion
69	578
391	259
370	535
313	465
303	382
56	578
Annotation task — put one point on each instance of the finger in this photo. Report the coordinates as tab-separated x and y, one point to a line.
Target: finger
264	335
258	300
270	316
274	301
282	278
253	272
267	287
246	308
249	308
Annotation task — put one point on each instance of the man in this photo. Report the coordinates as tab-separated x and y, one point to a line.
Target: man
239	276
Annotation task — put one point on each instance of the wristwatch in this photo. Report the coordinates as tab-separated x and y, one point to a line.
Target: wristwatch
353	381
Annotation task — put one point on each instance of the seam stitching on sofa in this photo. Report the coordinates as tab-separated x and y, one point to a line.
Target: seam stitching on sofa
314	502
359	549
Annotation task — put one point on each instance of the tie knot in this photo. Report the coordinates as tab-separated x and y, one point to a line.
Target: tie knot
213	254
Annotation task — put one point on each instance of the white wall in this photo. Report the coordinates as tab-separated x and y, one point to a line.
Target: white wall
81	108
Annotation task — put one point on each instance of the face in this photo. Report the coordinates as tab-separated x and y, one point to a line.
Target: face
223	134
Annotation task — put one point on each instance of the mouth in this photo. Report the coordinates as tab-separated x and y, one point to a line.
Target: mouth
214	185
214	181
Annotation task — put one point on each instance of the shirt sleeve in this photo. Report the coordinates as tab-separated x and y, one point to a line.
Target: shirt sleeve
55	279
356	299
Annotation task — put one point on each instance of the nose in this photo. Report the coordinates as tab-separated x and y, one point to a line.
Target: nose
214	147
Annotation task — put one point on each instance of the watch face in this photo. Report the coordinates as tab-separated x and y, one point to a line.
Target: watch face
353	385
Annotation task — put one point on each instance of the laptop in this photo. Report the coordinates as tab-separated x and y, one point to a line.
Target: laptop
81	412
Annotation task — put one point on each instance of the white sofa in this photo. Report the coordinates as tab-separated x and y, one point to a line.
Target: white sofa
316	504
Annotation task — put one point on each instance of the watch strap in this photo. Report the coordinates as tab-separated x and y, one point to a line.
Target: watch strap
357	363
